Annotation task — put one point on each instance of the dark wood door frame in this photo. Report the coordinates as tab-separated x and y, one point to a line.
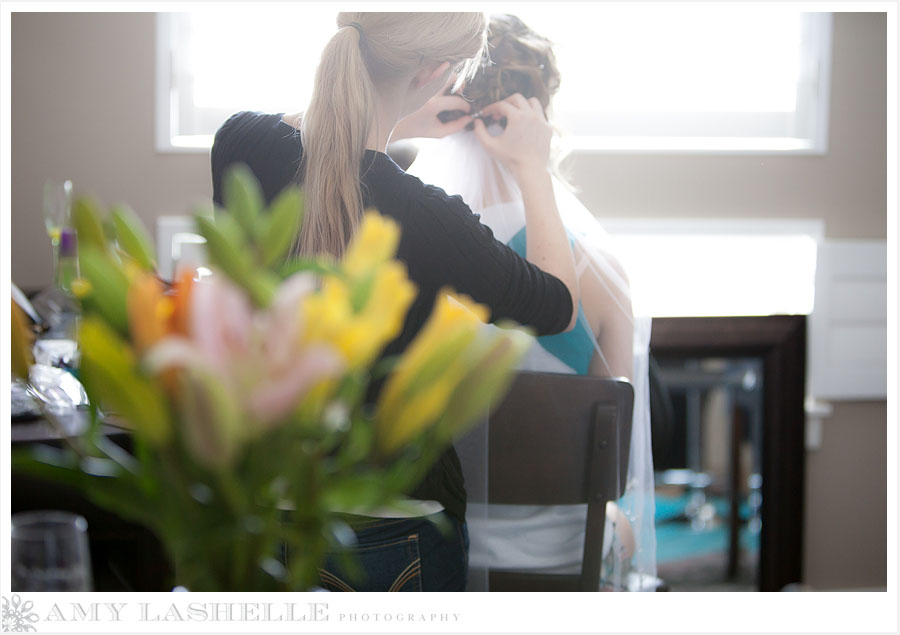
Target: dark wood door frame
780	341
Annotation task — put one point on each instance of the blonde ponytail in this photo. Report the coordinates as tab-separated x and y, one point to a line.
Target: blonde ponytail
367	49
334	130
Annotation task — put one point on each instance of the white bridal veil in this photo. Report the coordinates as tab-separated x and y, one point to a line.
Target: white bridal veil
550	539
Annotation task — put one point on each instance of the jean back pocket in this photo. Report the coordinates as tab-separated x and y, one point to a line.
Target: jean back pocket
393	564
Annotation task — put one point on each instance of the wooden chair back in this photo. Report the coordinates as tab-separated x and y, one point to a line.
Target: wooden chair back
560	439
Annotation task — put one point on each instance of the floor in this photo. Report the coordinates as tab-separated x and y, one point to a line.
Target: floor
708	573
696	559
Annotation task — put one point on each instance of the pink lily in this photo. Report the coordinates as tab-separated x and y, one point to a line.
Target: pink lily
258	357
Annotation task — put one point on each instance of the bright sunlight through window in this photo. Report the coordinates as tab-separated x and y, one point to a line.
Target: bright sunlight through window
712	267
639	78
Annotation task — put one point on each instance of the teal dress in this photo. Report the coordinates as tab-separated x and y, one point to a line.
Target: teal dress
575	348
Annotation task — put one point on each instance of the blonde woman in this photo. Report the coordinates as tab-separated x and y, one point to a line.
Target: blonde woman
375	83
607	340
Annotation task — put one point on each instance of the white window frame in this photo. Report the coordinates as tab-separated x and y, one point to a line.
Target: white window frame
172	79
803	133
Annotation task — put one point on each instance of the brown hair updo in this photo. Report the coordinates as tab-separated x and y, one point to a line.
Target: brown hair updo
521	61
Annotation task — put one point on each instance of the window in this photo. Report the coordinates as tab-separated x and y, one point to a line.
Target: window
639	78
691	77
211	64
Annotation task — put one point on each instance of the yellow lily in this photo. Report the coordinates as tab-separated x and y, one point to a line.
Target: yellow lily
359	336
382	317
492	370
374	243
433	366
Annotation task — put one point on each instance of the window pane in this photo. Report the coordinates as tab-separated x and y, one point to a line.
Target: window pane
638	77
673	59
257	60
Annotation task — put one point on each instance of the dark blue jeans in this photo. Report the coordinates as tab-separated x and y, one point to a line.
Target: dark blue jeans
403	554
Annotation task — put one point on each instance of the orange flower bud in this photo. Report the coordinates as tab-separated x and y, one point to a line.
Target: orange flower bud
149	311
180	294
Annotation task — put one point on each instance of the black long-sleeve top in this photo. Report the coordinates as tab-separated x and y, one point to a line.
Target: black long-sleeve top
442	244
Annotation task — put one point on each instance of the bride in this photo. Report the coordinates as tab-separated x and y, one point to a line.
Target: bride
607	340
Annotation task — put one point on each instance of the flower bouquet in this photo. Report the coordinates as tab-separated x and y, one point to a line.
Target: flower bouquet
249	390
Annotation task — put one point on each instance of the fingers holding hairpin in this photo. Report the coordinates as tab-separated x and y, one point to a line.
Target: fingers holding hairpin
525	141
441	115
502	108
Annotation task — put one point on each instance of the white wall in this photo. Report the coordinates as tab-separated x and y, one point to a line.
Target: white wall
83	108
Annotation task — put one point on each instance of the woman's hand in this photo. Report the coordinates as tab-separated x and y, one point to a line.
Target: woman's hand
524	145
524	148
425	123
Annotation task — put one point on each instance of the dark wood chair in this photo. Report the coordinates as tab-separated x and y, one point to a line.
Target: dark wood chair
559	440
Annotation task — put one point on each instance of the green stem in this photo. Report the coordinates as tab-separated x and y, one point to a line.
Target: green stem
302	564
238	507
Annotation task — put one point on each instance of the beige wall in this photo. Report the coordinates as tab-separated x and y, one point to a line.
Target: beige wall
83	108
845	541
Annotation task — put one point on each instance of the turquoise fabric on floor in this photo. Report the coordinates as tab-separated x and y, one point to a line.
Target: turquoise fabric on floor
676	540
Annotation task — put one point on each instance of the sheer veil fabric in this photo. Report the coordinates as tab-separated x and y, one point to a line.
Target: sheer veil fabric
551	539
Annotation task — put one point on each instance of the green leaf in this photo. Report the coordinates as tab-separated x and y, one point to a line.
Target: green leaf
123	500
47	462
88	226
358	444
222	252
320	268
352	388
109	227
405	472
361	291
353	494
114	493
133	237
440	358
243	197
231	230
110	372
384	366
212	423
280	226
263	287
491	373
237	263
109	286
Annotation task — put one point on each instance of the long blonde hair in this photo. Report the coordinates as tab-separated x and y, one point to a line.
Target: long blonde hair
367	49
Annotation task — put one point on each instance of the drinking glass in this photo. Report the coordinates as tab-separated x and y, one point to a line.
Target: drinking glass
57	208
49	552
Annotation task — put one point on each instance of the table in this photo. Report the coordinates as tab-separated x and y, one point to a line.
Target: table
124	556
